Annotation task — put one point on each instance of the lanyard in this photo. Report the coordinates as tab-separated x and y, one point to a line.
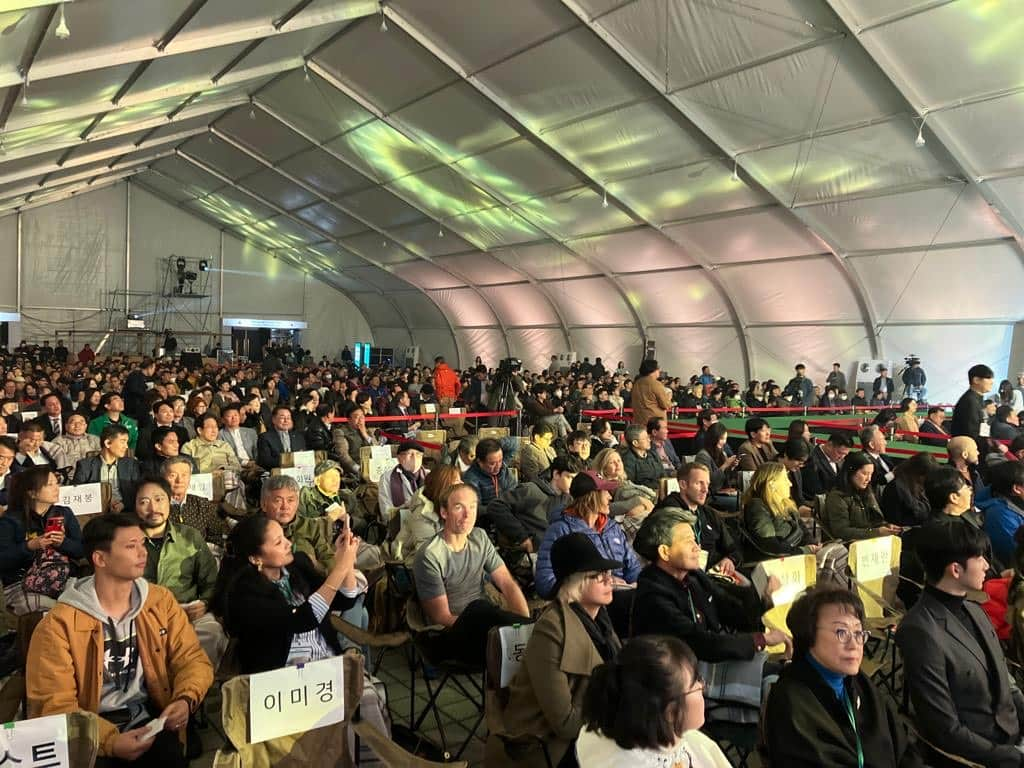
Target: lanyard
853	724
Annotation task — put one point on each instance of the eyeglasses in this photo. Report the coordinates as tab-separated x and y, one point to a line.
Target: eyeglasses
844	635
599	576
698	685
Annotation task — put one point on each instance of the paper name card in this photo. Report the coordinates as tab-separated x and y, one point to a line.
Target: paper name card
872	558
671	485
379	466
304	476
791	572
380	452
201	485
29	415
304	459
82	499
455	410
41	741
513	646
296	699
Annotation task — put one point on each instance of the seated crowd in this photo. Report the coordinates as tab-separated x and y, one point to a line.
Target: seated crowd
631	546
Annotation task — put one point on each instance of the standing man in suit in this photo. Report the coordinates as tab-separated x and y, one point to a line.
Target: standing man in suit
112	466
882	389
52	418
964	701
280	438
821	472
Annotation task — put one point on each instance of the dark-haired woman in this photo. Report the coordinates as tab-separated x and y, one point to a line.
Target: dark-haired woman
275	603
720	467
36	529
903	500
645	709
824	710
851	510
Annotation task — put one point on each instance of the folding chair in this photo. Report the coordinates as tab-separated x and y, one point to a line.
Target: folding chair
666	486
496	432
462	675
435	436
874	567
501	668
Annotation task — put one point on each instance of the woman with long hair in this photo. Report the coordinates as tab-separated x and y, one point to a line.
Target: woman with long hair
904	501
754	396
1011	396
771	517
37	530
275	603
721	467
851	510
629	499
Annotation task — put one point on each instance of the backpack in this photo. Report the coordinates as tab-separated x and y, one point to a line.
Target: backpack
49	572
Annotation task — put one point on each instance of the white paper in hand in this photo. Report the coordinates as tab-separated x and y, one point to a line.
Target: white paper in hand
152	728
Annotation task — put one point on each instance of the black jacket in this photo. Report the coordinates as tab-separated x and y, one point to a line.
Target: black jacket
817	475
963	700
268	447
49	433
900	506
713	536
927	426
806	726
523	512
318	437
258	616
968	414
720	626
135	395
128	475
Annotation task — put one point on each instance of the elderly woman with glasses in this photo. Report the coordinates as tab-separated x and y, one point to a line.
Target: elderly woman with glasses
824	710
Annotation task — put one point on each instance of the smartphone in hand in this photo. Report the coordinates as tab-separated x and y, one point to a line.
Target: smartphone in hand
54	525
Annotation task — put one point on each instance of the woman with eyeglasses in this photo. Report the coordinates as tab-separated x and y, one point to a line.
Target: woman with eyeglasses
646	708
572	636
824	710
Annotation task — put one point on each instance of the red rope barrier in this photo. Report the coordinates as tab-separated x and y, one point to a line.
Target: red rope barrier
404	439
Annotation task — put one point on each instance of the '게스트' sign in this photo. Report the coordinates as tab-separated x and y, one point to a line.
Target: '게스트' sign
296	699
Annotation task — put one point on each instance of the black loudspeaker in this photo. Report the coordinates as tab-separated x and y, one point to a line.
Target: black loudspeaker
192	359
649	351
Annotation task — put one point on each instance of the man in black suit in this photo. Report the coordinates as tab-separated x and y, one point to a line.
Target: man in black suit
969	412
963	699
821	472
52	418
872	440
934	424
281	438
135	389
112	466
163	416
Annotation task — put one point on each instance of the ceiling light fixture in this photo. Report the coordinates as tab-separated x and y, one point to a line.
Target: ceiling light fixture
252	109
440	230
24	91
735	169
604	199
383	20
919	141
62	32
305	71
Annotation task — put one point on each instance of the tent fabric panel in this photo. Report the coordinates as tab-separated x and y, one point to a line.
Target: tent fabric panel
74	251
629	140
464	307
486	343
314	106
394	338
676	297
378	278
545	261
590	301
953	213
955	51
456	121
777	349
681	351
330	219
872	158
1011	192
420	311
284	51
270	185
783	291
426	275
947	374
636	250
686	193
172	73
425	240
259	283
380	152
435	342
481	269
390	70
75	94
518	171
381	208
703	40
221	156
471	34
611	345
442	193
760	235
574	213
830	86
535	346
324	173
377	248
521	304
263	134
918	285
494	227
590	79
980	132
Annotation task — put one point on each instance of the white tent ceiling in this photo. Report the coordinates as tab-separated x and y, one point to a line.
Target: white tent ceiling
736	178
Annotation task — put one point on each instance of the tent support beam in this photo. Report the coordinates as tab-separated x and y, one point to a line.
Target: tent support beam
700	126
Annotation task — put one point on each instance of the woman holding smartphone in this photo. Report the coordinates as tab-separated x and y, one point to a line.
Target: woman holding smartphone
39	537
